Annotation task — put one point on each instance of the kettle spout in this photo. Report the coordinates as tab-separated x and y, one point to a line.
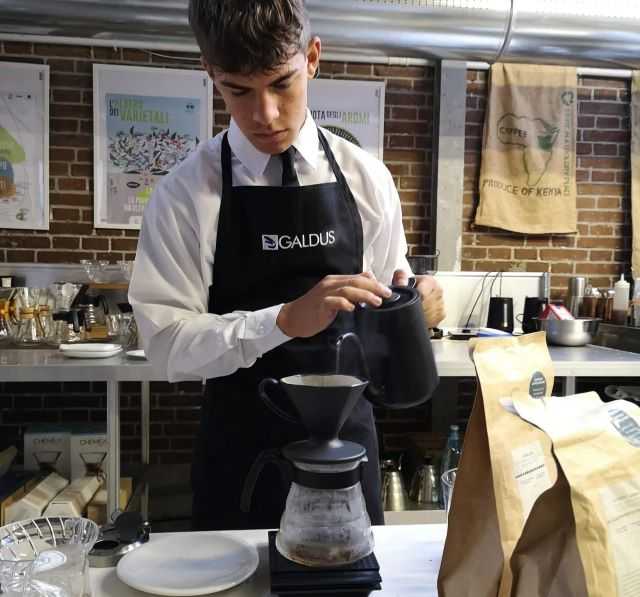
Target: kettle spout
371	390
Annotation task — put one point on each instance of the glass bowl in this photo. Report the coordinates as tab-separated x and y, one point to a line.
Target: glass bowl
95	269
46	556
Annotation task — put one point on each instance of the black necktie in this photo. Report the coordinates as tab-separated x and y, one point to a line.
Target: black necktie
289	176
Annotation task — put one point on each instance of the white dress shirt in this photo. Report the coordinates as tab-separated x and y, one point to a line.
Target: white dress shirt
174	262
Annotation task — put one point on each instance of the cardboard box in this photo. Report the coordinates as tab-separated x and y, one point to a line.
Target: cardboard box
46	448
97	507
73	499
36	500
88	451
14	485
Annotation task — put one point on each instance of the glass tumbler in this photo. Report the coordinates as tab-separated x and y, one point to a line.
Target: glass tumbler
448	481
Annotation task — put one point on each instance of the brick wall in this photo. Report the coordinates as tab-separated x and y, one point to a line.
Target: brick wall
71	237
174	407
601	249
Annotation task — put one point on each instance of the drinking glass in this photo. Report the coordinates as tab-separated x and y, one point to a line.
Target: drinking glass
424	264
448	481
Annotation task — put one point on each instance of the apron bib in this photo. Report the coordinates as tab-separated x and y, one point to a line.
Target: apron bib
274	244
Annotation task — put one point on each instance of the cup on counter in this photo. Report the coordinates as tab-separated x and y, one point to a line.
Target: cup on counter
533	308
500	315
448	481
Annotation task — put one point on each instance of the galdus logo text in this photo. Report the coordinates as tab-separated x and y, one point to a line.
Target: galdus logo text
276	242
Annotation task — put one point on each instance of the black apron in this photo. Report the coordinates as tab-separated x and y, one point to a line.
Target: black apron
273	245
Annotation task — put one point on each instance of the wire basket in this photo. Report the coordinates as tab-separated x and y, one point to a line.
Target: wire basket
46	557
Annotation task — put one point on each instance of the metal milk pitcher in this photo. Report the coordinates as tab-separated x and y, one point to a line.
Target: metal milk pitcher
424	485
394	495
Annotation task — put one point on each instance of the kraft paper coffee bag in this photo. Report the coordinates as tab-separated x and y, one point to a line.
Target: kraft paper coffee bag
597	445
506	464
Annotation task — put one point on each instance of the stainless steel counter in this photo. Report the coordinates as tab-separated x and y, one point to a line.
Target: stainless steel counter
451	356
50	365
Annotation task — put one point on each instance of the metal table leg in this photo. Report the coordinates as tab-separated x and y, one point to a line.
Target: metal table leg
569	386
113	456
145	398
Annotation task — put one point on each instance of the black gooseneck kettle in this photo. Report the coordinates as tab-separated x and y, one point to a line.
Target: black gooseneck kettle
392	350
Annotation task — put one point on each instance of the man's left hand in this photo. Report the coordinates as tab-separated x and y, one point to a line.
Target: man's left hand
432	297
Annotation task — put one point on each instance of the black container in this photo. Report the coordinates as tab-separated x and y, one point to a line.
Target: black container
393	351
533	307
500	313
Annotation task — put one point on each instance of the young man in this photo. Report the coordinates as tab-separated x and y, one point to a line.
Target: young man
254	250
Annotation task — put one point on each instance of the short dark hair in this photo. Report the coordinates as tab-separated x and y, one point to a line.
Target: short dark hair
249	36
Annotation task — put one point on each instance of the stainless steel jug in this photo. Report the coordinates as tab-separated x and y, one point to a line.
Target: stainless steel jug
424	485
394	494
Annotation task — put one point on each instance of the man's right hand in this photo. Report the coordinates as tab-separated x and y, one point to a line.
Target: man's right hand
316	310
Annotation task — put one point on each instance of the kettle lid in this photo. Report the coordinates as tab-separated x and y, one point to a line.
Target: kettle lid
401	296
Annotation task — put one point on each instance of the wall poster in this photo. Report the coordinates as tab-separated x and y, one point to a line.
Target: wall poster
353	110
146	121
24	146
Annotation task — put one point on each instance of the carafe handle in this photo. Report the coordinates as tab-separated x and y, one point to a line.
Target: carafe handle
262	391
265	457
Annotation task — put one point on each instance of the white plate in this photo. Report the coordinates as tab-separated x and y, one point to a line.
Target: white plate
190	564
89	347
136	354
91	354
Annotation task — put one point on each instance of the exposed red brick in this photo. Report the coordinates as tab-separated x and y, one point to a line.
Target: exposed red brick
608	108
95	244
414	72
563	255
62	50
597	268
603	176
405	99
600	255
65	215
72	184
64	125
61	65
70	199
610	190
124	244
606	136
525	253
609	203
66	242
20	256
17	47
62	256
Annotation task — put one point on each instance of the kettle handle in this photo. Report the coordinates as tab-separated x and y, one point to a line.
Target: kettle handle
262	391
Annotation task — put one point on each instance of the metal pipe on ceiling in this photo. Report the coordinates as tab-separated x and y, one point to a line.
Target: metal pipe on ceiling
587	33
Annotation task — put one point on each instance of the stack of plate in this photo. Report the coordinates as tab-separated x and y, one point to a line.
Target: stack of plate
90	351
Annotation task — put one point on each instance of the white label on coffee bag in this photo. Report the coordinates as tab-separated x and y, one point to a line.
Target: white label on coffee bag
621	504
531	474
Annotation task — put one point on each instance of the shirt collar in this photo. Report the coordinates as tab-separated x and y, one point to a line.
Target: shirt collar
306	144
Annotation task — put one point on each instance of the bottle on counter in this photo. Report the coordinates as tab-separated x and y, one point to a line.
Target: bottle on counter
451	454
621	301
